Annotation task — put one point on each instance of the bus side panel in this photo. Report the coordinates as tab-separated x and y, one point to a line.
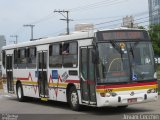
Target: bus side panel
58	82
28	79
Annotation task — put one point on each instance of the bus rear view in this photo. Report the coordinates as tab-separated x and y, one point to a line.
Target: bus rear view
125	68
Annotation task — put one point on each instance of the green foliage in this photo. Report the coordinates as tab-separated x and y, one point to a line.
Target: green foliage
141	27
154	32
158	71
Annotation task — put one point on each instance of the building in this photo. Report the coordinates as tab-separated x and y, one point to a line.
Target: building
128	22
2	43
84	26
154	11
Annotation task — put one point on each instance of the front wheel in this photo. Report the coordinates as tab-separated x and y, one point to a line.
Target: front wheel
73	99
20	95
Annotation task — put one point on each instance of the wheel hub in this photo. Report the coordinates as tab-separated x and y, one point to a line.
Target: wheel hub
74	99
19	92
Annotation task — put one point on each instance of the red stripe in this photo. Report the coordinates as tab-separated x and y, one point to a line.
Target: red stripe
72	81
125	85
22	78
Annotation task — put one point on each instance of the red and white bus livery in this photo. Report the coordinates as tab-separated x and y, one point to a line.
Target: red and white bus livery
94	68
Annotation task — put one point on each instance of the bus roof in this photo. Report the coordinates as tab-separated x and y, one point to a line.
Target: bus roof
72	36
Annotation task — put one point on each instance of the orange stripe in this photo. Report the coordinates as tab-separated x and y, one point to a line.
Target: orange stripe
127	88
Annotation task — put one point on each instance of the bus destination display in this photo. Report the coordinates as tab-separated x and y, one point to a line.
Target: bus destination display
123	35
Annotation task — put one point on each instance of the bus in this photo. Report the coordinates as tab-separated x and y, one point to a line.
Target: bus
113	67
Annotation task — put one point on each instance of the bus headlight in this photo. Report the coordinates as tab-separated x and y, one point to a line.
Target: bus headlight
113	94
151	91
155	75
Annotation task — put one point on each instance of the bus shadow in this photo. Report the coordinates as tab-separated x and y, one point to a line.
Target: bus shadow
87	109
36	101
114	110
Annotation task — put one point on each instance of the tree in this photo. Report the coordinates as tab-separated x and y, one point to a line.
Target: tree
154	32
141	27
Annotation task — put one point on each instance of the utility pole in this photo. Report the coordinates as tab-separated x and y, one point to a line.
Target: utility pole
15	36
31	30
66	17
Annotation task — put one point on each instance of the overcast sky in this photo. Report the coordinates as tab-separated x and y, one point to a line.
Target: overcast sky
15	13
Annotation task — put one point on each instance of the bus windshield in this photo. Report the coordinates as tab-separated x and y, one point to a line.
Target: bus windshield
125	61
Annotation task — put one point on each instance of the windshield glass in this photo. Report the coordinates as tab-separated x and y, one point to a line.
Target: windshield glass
142	62
125	61
113	64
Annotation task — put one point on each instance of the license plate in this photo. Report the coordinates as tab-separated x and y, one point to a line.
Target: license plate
132	100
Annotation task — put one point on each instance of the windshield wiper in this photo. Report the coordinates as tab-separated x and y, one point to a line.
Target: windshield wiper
113	43
117	48
131	50
133	47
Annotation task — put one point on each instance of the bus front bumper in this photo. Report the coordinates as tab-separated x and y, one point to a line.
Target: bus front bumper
122	100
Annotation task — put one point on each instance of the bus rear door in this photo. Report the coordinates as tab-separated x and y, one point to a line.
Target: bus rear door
42	74
9	72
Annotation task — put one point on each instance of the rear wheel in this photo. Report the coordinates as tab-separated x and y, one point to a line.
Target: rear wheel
73	99
20	95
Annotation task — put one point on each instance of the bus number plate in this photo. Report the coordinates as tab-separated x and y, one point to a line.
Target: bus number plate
132	100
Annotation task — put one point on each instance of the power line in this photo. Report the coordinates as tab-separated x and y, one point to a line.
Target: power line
45	18
97	5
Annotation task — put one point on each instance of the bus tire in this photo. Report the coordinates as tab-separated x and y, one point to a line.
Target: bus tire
73	99
19	91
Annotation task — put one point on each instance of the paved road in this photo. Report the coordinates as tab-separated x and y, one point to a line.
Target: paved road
58	110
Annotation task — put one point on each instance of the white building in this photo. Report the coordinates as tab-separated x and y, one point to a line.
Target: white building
128	22
2	43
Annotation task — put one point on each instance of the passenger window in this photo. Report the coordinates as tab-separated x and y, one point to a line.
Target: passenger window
70	59
31	57
15	58
65	49
55	56
22	60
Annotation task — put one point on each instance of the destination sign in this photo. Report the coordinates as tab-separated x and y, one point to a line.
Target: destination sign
122	35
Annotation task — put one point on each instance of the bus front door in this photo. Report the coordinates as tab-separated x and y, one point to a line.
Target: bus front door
87	75
9	72
42	74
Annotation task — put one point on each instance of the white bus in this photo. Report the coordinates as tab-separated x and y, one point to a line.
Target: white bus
94	68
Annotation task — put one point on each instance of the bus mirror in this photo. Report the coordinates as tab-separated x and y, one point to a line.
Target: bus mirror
95	57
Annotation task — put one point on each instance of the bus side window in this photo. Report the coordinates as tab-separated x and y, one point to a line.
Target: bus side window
4	58
31	57
65	50
55	56
15	58
71	58
22	58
